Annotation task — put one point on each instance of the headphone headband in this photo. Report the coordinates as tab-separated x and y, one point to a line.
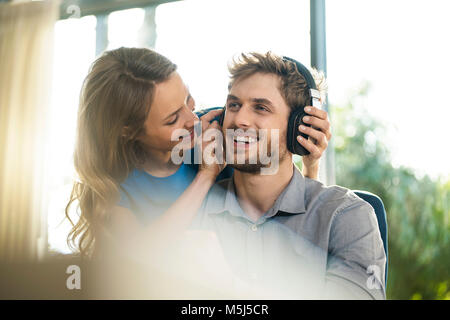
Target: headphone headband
314	93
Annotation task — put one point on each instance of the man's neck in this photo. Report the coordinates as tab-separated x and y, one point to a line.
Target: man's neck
257	193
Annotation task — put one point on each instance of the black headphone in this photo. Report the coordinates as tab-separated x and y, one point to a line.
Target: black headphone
297	114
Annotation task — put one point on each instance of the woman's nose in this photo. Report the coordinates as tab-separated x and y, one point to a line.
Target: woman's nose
190	118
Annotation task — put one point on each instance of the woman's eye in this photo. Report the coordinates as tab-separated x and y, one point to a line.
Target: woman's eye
173	122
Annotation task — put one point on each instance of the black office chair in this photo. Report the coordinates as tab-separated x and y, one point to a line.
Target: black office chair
380	212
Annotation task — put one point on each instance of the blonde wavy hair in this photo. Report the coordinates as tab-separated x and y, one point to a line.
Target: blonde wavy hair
114	103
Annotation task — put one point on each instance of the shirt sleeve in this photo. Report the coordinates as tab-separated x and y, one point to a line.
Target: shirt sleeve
356	257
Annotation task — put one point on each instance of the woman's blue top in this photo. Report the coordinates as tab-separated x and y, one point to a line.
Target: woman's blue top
148	196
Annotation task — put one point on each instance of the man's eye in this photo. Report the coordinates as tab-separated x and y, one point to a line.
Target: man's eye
232	105
260	107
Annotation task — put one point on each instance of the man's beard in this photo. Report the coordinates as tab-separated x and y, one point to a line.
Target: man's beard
248	168
256	166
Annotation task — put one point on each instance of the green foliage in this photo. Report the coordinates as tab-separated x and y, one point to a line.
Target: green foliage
418	208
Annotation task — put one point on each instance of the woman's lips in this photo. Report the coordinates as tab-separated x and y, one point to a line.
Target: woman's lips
190	136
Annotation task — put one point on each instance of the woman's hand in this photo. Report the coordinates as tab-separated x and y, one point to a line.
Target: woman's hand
212	164
320	134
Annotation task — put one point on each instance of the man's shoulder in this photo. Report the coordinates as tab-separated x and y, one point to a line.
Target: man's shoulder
335	199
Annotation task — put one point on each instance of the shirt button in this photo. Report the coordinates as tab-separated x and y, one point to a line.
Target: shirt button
254	227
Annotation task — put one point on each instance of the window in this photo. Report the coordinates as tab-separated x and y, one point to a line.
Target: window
397	47
202	36
199	36
124	27
74	52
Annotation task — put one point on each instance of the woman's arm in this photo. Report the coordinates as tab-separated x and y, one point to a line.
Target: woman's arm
320	131
130	233
170	226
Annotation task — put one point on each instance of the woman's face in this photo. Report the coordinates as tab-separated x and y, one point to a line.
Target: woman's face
172	109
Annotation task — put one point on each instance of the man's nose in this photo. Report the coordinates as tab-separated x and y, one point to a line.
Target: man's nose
243	117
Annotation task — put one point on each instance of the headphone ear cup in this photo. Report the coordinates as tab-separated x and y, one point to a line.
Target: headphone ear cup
295	120
222	116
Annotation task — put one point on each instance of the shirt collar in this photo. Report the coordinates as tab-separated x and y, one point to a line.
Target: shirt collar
222	198
290	201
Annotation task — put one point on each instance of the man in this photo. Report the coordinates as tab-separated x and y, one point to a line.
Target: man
283	233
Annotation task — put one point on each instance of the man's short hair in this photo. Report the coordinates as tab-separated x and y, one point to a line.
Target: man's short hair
293	86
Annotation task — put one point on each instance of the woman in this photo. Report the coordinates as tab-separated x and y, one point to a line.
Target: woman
131	102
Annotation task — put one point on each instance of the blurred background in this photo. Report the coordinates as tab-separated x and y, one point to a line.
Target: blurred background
387	68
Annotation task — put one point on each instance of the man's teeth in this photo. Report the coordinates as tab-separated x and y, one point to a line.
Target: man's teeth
245	139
